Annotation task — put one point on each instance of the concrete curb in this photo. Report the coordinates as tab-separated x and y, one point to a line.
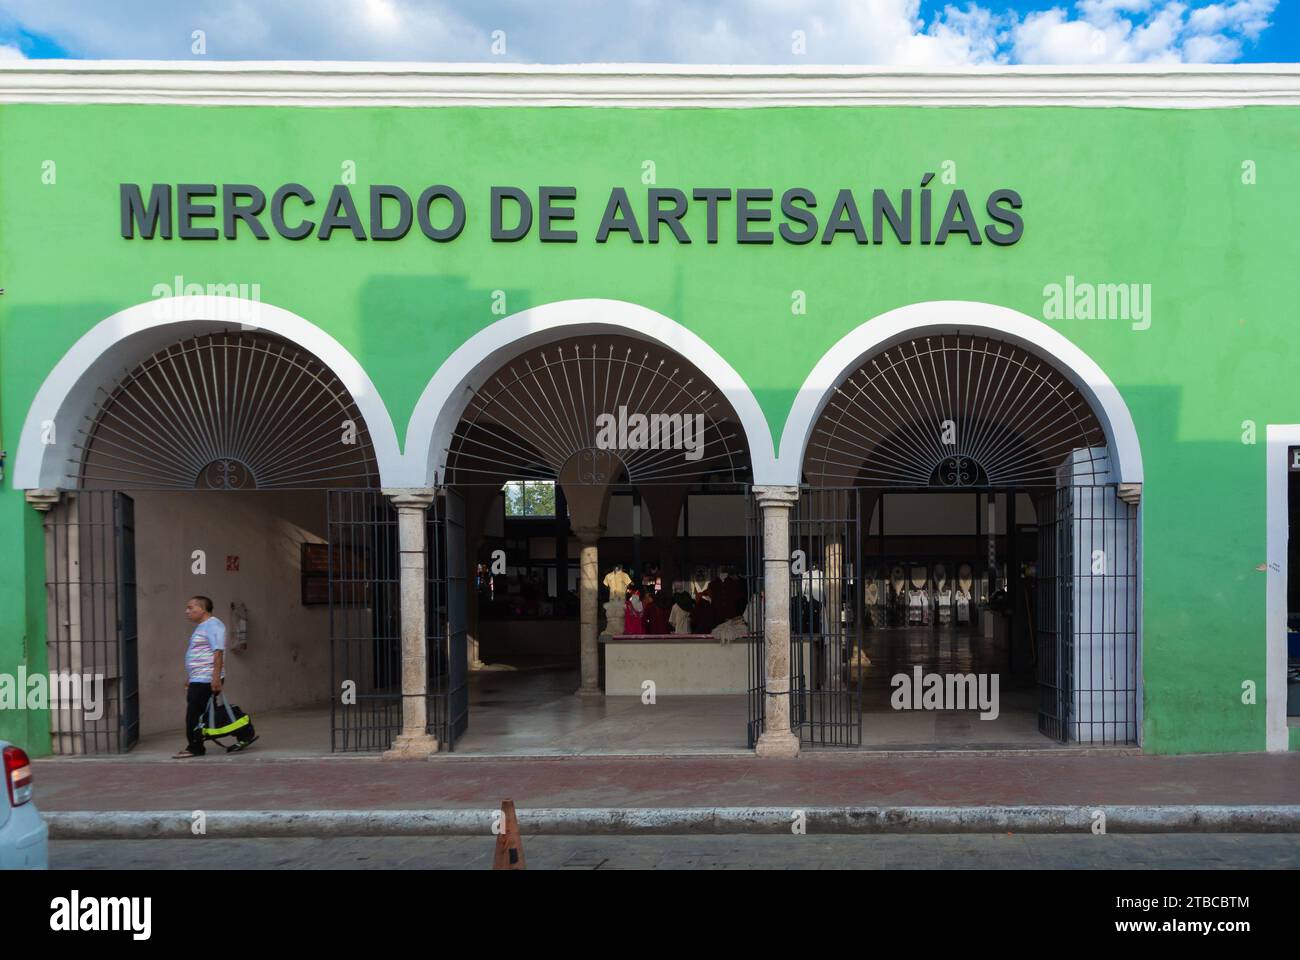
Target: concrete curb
180	824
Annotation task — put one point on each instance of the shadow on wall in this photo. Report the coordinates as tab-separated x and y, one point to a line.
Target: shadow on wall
436	313
1204	600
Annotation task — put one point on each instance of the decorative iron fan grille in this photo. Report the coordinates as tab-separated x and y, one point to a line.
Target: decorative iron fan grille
557	403
226	411
956	411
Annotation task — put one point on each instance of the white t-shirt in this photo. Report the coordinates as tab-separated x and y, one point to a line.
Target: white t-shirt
200	656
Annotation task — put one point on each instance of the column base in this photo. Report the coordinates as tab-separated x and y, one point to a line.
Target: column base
783	744
590	693
418	746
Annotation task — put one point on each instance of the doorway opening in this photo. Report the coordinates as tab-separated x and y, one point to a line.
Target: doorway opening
964	571
206	470
604	480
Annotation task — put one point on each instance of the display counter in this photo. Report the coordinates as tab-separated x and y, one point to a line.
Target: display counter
678	663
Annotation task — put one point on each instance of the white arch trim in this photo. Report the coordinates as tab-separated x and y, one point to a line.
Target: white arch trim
965	316
129	336
443	401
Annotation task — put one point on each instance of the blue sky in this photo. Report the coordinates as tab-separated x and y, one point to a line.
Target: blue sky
919	33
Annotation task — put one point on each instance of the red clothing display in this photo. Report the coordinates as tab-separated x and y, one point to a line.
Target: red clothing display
703	619
633	620
729	597
656	619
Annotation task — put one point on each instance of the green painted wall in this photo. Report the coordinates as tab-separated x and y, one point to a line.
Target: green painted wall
1110	196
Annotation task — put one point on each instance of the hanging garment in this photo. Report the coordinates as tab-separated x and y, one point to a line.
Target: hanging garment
915	610
805	616
945	606
617	581
656	619
633	616
679	620
963	608
729	597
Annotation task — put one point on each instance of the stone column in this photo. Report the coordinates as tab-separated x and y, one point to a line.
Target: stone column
42	500
665	505
415	742
777	739
588	596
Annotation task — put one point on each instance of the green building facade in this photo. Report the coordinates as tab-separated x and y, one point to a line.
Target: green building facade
1133	229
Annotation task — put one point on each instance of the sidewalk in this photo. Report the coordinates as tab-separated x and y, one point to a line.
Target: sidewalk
822	780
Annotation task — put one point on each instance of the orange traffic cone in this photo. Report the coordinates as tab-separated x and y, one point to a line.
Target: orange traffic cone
510	850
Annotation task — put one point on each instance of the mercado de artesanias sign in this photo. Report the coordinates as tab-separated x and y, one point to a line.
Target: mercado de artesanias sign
921	215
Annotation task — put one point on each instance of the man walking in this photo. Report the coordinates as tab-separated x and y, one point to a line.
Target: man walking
205	665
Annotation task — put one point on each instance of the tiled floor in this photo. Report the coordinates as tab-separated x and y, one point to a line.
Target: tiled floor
531	709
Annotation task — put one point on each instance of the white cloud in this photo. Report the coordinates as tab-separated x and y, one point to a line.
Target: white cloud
1109	31
9	52
1249	17
884	32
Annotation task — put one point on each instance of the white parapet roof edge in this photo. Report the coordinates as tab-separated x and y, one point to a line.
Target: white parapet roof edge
332	84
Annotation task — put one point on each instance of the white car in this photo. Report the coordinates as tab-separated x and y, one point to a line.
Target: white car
24	837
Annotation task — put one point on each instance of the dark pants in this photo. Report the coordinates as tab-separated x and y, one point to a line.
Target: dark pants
196	706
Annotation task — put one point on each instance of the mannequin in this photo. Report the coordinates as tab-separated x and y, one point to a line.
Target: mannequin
656	613
917	598
814	583
942	593
964	582
634	617
703	617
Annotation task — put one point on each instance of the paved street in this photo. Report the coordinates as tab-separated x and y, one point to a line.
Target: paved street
1222	851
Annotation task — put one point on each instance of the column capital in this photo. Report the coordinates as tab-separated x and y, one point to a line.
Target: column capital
42	500
588	535
1130	492
776	496
410	498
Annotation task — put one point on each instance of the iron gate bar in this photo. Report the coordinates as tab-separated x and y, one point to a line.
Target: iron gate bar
446	634
756	580
127	619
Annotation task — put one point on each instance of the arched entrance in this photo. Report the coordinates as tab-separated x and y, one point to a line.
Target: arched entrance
603	475
232	464
969	557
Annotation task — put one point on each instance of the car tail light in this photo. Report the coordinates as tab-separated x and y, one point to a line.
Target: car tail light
18	776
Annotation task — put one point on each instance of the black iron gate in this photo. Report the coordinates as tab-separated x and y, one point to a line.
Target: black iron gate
92	643
448	659
1053	632
826	619
128	626
755	581
826	642
364	620
1084	616
1087	629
